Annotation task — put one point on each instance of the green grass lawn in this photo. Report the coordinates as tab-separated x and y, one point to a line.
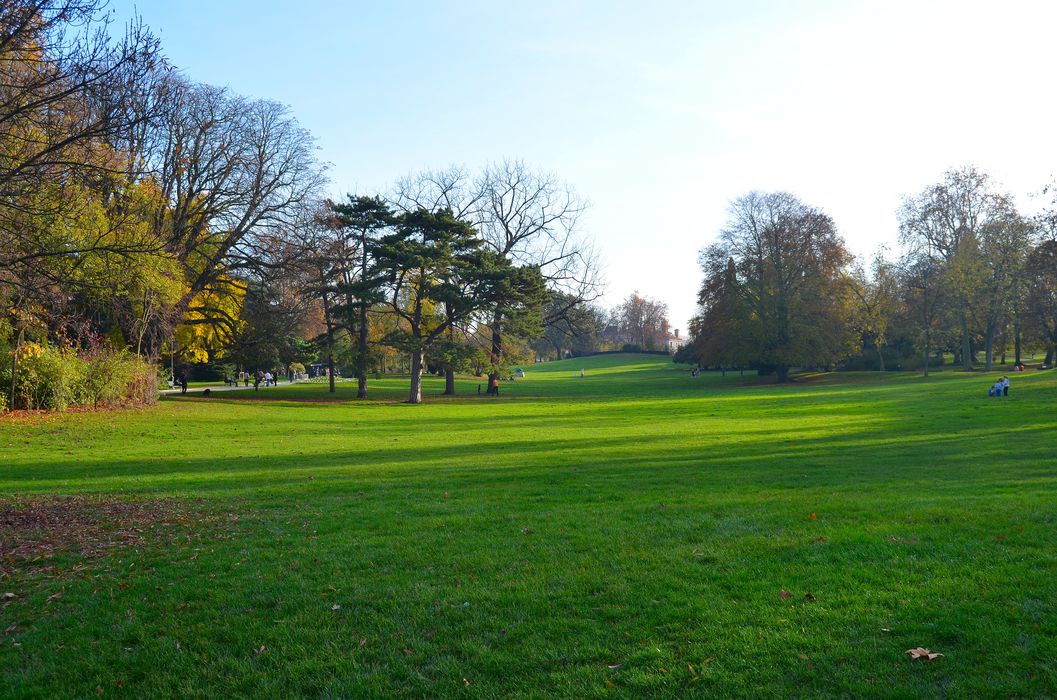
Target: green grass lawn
626	534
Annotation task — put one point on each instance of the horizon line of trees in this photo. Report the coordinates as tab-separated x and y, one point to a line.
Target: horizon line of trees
974	277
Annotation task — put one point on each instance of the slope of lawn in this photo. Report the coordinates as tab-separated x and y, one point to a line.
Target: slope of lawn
635	532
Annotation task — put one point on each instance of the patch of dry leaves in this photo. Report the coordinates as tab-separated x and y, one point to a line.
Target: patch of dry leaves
37	529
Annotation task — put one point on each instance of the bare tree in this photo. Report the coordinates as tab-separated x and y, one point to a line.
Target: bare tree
66	86
530	218
234	176
642	321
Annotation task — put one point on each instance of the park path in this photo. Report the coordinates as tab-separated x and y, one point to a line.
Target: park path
220	387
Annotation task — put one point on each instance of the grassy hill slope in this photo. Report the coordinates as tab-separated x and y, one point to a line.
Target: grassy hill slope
636	531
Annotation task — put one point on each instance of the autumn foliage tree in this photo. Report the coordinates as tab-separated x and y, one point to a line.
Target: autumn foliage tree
775	287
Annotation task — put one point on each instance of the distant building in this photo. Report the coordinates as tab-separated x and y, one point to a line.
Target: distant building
674	342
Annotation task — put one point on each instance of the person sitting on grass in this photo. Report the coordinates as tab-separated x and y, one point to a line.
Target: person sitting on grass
998	389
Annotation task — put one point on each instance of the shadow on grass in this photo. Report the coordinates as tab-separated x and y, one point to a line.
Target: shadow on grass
760	458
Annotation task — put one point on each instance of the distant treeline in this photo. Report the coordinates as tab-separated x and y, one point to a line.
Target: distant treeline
974	279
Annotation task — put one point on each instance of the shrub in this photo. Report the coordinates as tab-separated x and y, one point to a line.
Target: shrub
118	377
48	378
54	378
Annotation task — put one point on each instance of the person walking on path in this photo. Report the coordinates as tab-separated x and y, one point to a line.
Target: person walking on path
257	378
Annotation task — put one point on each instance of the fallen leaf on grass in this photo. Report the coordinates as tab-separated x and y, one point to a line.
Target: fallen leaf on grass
9	596
809	597
923	653
812	516
527	531
335	607
785	595
613	667
261	650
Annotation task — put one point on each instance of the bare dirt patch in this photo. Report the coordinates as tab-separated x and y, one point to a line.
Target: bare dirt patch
36	530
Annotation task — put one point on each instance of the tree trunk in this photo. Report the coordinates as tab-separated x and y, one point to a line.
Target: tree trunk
417	360
361	359
330	341
449	368
783	373
989	342
14	367
497	341
330	369
880	358
928	351
1016	340
967	351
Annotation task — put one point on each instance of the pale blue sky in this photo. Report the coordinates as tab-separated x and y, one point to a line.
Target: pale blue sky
658	113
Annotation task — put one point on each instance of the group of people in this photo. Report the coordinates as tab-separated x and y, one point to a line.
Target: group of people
259	377
1000	388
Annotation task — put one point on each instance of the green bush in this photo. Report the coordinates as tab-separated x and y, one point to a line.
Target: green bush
119	378
53	378
48	378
